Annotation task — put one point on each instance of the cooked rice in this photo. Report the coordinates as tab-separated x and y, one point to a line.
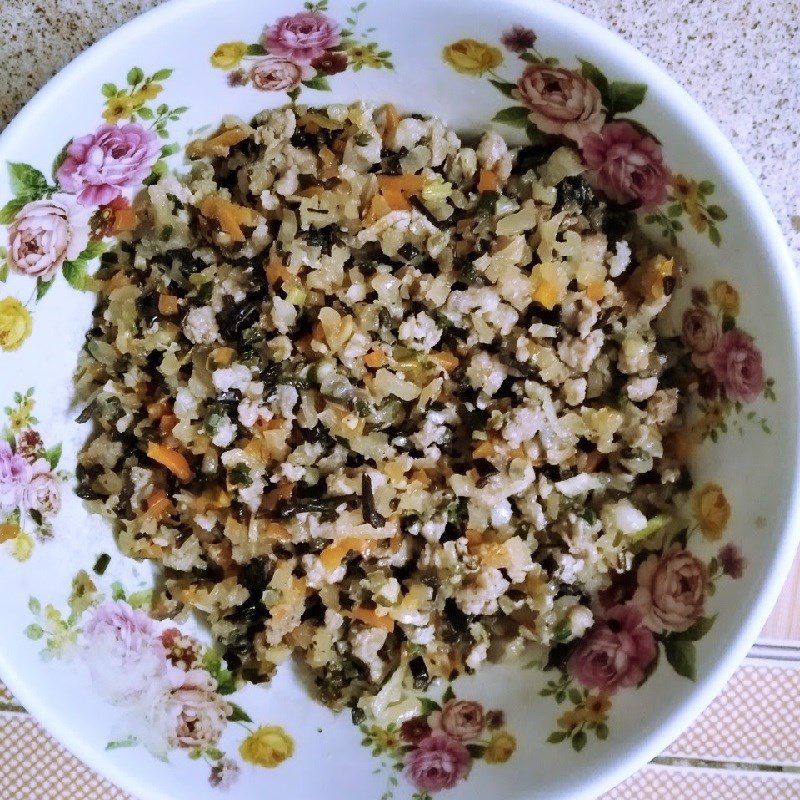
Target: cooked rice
362	412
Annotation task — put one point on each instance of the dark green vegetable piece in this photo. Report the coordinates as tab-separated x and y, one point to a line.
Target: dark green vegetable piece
487	203
371	514
324	505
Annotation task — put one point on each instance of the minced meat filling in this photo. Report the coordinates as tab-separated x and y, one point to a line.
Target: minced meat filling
379	398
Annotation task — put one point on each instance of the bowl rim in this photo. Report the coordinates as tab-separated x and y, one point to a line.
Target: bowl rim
680	105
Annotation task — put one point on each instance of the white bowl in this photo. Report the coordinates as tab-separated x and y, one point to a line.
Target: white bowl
757	470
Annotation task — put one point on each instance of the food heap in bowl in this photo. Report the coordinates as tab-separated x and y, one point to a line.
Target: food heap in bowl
386	400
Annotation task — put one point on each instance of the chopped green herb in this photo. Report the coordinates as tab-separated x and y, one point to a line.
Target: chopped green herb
240	475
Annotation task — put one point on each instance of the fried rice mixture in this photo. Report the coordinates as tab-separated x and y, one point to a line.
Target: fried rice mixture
384	400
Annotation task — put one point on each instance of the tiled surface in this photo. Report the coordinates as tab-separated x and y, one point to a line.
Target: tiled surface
741	60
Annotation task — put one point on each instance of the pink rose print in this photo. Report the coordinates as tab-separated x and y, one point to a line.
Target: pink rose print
45	234
183	709
123	652
731	561
182	651
707	385
330	63
414	730
560	101
29	443
672	591
438	762
615	653
100	165
518	38
462	719
302	37
15	473
736	363
224	773
278	74
197	714
626	164
495	719
43	491
700	330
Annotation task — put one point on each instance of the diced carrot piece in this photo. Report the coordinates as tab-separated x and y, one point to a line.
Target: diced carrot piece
593	460
158	409
401	183
484	450
117	280
222	356
330	164
167	304
125	219
487	181
375	359
320	120
158	504
166	424
493	554
317	333
230	216
391	120
546	294
276	271
217	145
303	344
282	491
378	208
421	477
277	531
228	138
372	618
171	459
473	536
596	291
311	191
396	200
447	360
333	555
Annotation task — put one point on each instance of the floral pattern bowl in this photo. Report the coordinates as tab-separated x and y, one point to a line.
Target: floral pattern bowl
151	704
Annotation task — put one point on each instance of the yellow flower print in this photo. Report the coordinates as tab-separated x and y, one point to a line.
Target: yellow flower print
15	323
148	92
711	510
9	531
385	740
20	416
228	55
267	746
571	719
687	193
472	57
596	707
118	108
364	56
22	547
500	748
725	297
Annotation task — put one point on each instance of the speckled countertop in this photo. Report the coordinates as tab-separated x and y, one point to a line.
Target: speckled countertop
739	58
